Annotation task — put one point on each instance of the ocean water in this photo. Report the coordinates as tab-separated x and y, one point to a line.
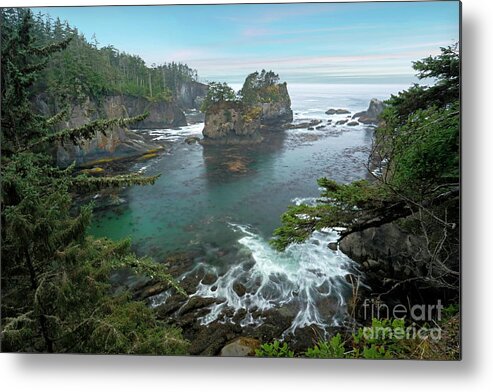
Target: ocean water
223	202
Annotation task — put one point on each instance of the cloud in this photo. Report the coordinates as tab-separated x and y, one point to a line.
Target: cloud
378	65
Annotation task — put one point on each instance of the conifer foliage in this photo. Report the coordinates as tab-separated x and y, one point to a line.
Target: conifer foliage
56	295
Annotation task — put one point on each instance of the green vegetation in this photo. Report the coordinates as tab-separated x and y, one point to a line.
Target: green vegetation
85	69
384	339
216	93
261	87
274	350
56	293
417	149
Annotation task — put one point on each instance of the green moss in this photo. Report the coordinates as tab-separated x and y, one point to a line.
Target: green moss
94	170
148	156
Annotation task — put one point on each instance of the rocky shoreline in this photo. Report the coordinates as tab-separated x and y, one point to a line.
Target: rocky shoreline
119	143
225	335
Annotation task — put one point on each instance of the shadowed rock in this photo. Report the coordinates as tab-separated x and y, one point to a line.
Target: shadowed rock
372	114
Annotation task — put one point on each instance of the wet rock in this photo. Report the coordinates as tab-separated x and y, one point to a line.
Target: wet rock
196	303
239	315
332	245
179	263
372	114
191	140
337	111
239	289
209	279
384	252
212	338
150	290
341	122
352	123
372	264
237	166
241	347
305	124
173	303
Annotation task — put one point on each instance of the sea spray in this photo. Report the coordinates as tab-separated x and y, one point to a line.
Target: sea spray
307	278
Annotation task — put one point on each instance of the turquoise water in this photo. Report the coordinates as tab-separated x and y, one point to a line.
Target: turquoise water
223	202
200	190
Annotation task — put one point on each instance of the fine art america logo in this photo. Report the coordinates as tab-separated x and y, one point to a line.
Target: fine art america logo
423	317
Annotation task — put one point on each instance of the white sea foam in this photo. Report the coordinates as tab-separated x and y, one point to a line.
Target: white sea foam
174	134
307	278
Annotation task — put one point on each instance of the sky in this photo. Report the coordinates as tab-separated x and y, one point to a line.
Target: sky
304	43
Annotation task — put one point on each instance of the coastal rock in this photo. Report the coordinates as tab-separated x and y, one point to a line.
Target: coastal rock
304	124
384	252
191	140
241	347
118	142
341	122
191	94
277	112
352	123
332	246
372	114
231	123
337	111
264	105
239	289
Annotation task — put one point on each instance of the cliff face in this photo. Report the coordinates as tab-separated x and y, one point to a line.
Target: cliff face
118	142
372	114
277	112
231	122
190	95
265	105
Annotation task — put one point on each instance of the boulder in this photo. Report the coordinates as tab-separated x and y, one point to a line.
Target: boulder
191	140
239	289
337	111
341	122
352	123
241	347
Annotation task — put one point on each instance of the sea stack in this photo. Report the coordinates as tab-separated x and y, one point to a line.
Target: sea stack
263	103
372	114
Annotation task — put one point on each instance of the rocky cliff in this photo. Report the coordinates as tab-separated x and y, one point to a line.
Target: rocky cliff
118	142
264	105
231	123
372	114
190	95
276	111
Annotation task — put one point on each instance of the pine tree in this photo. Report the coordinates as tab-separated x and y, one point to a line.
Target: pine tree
56	295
